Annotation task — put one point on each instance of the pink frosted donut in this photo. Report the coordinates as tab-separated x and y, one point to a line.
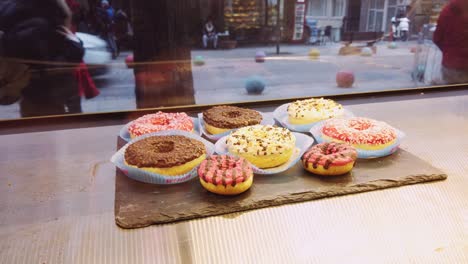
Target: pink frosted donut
362	133
160	122
226	175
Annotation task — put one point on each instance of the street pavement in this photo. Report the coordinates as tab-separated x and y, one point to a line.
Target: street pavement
290	74
294	74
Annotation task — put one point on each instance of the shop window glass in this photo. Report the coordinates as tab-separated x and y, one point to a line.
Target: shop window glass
338	7
380	4
317	8
145	54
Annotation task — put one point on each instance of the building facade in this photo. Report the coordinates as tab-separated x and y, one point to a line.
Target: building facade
328	13
376	15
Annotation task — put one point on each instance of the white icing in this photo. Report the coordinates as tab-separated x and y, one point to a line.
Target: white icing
261	140
315	109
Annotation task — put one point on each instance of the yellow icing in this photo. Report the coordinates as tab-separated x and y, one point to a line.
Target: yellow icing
332	170
229	189
175	170
215	130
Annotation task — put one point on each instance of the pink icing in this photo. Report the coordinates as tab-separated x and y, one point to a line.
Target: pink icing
160	122
224	170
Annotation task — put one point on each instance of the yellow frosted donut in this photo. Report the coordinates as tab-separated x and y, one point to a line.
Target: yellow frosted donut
313	110
263	146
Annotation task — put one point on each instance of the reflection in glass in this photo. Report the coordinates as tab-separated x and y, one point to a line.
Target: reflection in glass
338	7
317	8
143	54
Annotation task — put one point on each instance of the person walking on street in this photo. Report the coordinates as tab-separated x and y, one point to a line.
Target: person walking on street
395	29
403	27
86	85
106	15
451	36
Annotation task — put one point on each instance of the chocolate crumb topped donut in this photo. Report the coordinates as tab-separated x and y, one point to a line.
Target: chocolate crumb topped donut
220	119
167	155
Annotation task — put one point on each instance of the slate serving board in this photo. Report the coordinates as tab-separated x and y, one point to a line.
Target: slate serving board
139	204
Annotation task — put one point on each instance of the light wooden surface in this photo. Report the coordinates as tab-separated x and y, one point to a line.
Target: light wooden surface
57	198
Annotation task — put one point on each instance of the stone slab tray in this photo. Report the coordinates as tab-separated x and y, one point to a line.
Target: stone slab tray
139	204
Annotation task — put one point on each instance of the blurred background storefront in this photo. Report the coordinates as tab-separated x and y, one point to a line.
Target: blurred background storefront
328	13
265	21
376	15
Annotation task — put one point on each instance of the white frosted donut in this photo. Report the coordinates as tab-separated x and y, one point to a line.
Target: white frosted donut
313	110
263	146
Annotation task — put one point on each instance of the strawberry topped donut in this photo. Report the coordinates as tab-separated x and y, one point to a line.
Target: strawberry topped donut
226	175
362	133
330	159
160	121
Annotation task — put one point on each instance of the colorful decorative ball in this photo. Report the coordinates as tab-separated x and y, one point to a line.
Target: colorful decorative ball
255	84
129	61
345	79
366	52
199	60
392	45
314	53
260	56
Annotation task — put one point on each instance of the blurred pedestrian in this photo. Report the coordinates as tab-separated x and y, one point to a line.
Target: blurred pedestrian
123	30
39	35
105	17
451	36
210	34
86	85
403	27
395	30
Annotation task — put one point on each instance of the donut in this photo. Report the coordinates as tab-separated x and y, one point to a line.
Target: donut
263	146
166	155
329	158
362	133
220	119
226	175
313	110
160	121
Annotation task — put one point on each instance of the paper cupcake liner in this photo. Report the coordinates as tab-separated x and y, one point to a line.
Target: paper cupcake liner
281	115
125	135
303	143
144	176
266	120
316	131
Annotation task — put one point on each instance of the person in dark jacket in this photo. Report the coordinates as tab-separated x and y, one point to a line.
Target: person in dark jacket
105	17
41	37
451	36
210	34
